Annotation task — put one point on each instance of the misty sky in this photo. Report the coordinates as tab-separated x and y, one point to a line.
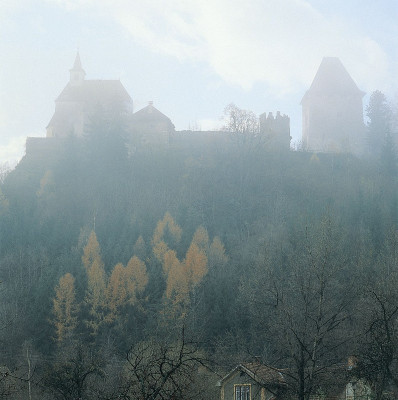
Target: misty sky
191	57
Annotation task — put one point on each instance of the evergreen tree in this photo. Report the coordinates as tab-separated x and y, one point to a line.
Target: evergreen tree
379	126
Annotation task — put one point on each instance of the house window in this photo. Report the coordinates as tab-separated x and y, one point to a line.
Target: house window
242	392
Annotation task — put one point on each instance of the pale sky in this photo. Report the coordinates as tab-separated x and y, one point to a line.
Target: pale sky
191	57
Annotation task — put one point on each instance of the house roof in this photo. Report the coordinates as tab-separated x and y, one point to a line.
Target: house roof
150	113
332	78
262	374
95	91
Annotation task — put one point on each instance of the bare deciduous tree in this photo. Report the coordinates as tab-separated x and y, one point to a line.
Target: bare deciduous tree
378	349
306	304
160	371
71	376
241	122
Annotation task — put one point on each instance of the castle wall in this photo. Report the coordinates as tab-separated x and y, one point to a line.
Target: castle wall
275	131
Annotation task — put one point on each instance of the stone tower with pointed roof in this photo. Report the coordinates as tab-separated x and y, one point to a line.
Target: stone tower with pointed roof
82	98
332	111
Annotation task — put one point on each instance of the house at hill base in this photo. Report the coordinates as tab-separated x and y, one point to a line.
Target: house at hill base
257	381
252	381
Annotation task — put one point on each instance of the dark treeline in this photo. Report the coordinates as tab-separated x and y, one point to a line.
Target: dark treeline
112	260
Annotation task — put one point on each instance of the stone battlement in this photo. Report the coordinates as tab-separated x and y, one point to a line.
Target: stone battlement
276	129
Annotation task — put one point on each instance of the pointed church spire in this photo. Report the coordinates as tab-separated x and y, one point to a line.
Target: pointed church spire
78	63
77	73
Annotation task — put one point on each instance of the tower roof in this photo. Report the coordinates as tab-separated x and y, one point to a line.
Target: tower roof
332	79
77	64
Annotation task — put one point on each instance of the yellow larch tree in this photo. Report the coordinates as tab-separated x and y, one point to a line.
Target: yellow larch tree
125	284
65	308
183	277
167	223
195	265
160	249
165	226
170	261
91	251
177	291
116	292
201	238
96	286
136	279
176	280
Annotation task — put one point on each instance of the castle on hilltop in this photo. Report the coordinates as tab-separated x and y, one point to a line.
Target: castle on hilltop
82	100
332	115
332	111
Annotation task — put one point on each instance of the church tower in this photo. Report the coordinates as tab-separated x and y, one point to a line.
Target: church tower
77	73
332	111
80	100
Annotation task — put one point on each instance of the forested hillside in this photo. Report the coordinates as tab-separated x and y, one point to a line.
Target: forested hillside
228	250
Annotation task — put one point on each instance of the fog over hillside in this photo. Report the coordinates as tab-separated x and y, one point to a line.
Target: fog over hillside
198	200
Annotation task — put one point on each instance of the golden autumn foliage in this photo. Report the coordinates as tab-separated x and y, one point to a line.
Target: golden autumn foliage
183	277
116	291
195	265
160	249
91	251
170	261
201	238
65	308
95	293
125	283
177	287
136	278
176	284
165	226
